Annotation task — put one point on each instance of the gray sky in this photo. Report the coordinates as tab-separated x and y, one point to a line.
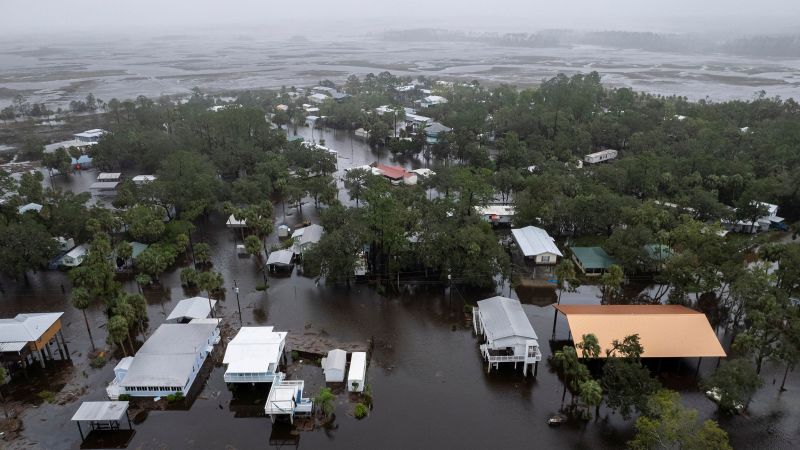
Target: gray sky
308	16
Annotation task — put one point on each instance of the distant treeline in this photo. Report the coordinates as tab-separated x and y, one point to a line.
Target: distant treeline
780	46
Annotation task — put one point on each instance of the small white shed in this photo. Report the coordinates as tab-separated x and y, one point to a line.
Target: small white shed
357	376
333	366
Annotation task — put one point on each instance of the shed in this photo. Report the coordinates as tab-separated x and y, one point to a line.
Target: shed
357	376
233	222
109	176
333	366
142	179
534	242
306	237
591	260
30	207
101	416
75	257
192	308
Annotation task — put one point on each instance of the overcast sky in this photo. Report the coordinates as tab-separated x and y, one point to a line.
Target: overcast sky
310	16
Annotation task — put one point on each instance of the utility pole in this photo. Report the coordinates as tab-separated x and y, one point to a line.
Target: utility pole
238	305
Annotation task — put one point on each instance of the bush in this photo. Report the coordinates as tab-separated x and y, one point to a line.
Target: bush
47	396
188	276
176	397
97	362
361	411
261	287
124	397
295	355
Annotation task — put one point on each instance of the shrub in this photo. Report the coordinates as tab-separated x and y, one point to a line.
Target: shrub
295	355
361	411
124	397
188	276
47	396
261	287
97	362
176	397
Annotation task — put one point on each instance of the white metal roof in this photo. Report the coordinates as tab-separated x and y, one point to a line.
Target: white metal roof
29	207
280	257
308	235
100	411
358	366
336	360
167	358
124	363
534	241
254	349
78	251
108	176
104	185
12	346
143	178
26	327
495	210
503	317
192	308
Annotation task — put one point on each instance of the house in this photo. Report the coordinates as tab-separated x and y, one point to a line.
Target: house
367	168
396	174
431	100
412	119
90	136
434	131
601	156
30	207
357	375
254	355
51	148
536	244
282	107
64	244
143	179
325	90
105	187
280	260
496	214
317	98
507	332
285	398
339	96
592	261
192	308
361	133
29	337
109	176
75	257
167	363
137	248
305	237
424	173
333	366
763	223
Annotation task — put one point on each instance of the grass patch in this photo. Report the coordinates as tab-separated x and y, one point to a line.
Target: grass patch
47	396
360	411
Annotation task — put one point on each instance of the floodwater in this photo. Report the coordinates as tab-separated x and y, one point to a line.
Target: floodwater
57	72
429	385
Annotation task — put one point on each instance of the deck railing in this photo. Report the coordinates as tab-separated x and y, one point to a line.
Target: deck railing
253	378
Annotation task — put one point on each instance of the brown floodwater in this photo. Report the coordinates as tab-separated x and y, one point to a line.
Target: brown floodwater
429	385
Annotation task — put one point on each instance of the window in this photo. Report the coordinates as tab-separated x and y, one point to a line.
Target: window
545	258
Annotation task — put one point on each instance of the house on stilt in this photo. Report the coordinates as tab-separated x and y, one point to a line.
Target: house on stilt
508	334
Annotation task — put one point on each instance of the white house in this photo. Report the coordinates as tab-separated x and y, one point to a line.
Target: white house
317	98
508	334
109	176
598	157
75	257
254	355
192	308
432	100
280	259
333	366
89	136
167	363
305	237
357	375
535	243
761	224
143	179
496	214
233	222
104	187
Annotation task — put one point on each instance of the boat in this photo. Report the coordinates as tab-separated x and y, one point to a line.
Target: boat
556	419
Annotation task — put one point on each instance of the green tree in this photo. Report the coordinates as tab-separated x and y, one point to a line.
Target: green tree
611	282
625	380
210	282
589	346
3	381
591	393
252	245
566	279
145	223
355	183
30	187
202	253
24	245
668	424
325	401
736	381
574	372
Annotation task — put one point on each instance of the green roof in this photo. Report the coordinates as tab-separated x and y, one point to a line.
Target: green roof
658	252
138	248
592	258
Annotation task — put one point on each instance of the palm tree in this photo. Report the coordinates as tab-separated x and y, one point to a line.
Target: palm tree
210	282
592	394
80	300
117	330
589	346
567	363
325	401
566	278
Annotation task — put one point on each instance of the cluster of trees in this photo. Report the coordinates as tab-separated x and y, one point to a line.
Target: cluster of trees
626	387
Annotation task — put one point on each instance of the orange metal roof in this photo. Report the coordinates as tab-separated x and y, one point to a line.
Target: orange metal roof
665	331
